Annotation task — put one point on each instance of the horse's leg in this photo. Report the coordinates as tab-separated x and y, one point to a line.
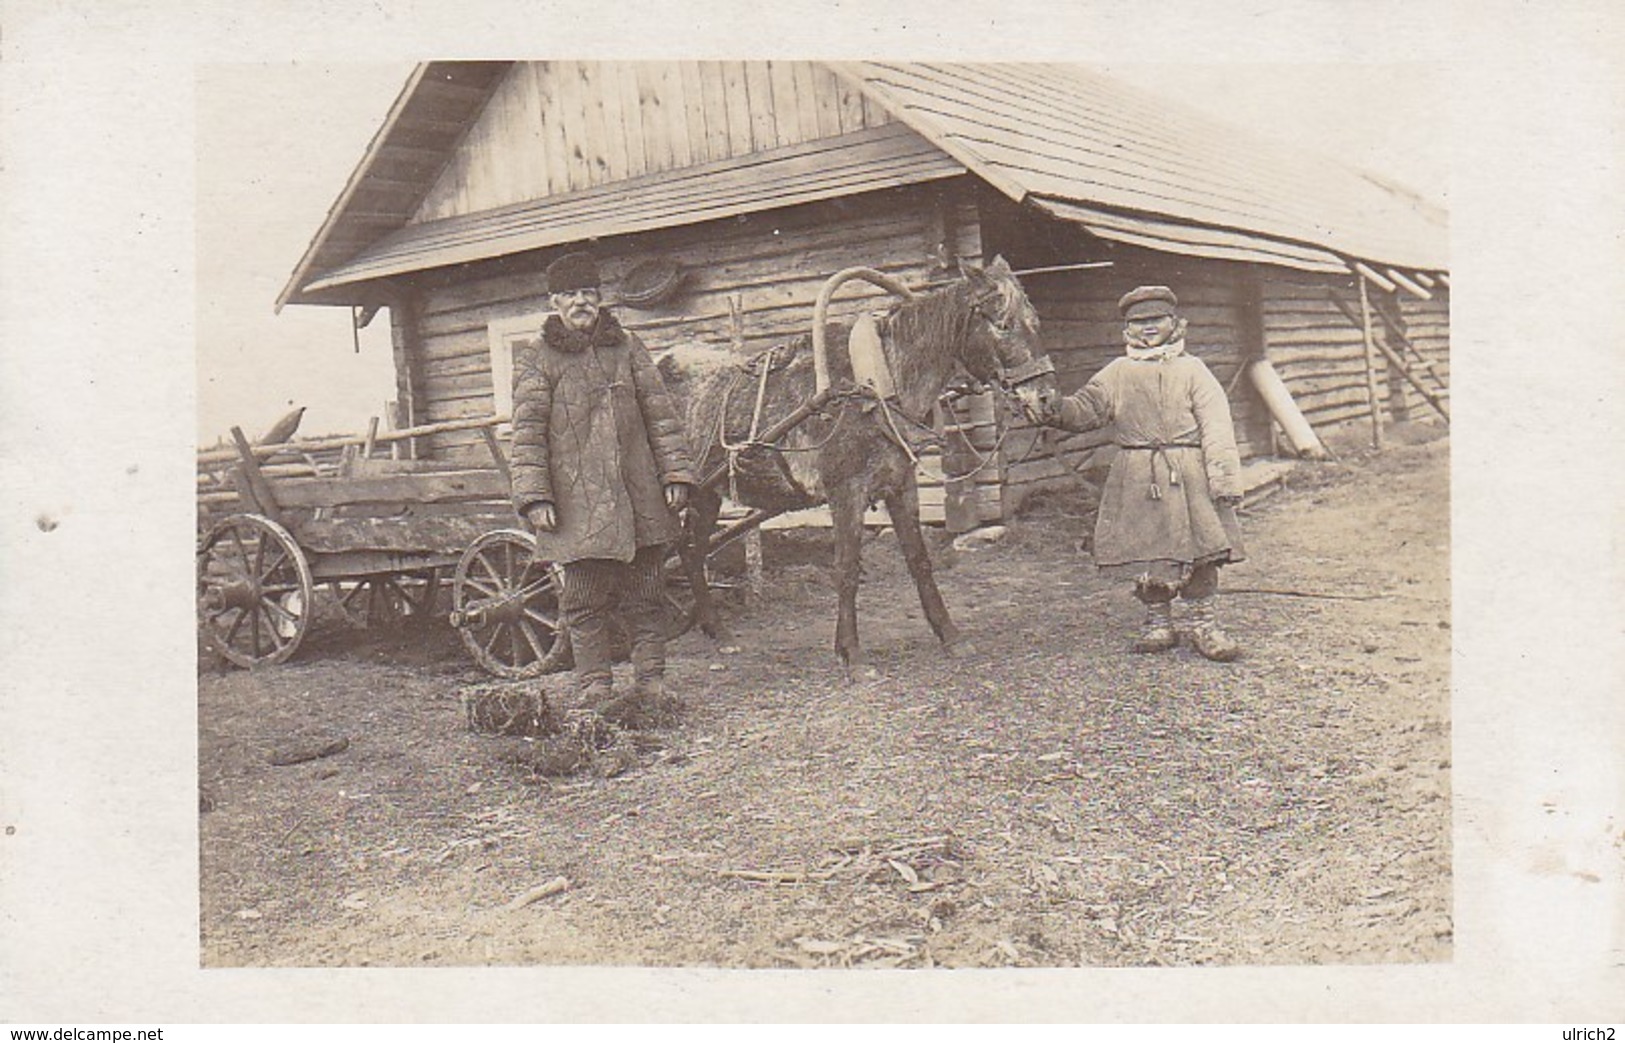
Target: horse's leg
704	506
846	504
904	507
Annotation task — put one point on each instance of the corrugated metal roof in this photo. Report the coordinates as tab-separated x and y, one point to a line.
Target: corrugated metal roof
882	157
1194	240
1067	133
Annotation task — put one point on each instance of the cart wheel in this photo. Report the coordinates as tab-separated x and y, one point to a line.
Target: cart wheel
506	606
390	600
254	591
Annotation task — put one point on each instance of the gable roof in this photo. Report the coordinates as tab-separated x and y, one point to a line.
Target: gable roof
410	148
1075	144
862	161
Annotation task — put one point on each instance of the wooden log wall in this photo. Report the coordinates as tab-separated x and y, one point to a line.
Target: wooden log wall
771	264
1319	349
556	127
1082	332
1427	326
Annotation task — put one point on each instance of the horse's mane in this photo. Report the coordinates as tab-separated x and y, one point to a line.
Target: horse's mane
935	322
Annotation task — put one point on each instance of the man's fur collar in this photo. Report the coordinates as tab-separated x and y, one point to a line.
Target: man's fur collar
605	332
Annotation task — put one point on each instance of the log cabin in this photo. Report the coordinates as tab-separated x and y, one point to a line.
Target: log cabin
720	195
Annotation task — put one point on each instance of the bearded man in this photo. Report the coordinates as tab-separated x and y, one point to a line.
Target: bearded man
600	470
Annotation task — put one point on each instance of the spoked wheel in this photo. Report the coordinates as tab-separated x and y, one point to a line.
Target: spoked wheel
254	591
506	606
390	600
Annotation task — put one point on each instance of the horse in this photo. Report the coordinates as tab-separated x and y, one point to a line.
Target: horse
853	451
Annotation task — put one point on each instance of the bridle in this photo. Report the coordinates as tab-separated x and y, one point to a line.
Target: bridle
1002	322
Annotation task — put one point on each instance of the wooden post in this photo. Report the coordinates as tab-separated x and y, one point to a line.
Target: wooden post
497	455
404	340
1433	399
754	581
1277	399
372	437
939	234
397	420
969	439
1433	396
1252	342
1371	367
256	484
1389	328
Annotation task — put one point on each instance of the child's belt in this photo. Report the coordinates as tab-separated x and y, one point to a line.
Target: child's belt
1160	450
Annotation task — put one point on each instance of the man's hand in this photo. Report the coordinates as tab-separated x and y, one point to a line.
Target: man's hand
542	517
677	495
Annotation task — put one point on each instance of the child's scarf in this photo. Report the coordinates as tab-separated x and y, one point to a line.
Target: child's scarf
1167	350
1173	347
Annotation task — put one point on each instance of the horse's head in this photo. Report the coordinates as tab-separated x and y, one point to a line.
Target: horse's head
1003	347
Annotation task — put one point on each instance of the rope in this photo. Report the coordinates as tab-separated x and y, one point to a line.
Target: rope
903	443
839	417
992	454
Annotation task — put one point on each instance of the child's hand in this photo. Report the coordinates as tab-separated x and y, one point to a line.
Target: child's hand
1045	411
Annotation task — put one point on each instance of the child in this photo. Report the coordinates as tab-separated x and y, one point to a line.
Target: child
1167	515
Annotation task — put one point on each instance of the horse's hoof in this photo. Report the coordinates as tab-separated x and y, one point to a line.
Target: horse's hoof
960	649
858	673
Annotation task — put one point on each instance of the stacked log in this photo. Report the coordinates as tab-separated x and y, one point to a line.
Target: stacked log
751	280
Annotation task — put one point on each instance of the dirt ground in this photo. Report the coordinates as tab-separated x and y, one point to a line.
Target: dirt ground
1046	799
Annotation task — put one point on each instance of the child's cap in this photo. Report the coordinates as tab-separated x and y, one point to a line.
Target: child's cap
1146	301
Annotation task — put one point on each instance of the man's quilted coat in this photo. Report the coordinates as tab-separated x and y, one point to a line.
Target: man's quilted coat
595	434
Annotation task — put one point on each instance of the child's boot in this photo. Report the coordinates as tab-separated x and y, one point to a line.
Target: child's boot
1206	636
1157	632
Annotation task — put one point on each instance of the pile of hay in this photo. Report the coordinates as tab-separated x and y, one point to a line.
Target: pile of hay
495	709
554	743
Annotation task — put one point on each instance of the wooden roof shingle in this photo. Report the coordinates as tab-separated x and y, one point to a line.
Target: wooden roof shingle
1070	142
1063	132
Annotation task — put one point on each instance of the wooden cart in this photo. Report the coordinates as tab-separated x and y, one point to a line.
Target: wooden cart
382	536
382	533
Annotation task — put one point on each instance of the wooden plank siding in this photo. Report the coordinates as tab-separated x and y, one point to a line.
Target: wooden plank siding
556	127
774	263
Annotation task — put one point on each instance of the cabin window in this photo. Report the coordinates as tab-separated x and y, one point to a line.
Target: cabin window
503	337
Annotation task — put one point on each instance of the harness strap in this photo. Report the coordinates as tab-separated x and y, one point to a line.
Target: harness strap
1029	371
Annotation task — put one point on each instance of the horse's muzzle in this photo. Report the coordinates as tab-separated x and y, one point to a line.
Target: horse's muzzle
1029	371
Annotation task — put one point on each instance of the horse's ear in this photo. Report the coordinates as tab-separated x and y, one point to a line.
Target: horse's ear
999	266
